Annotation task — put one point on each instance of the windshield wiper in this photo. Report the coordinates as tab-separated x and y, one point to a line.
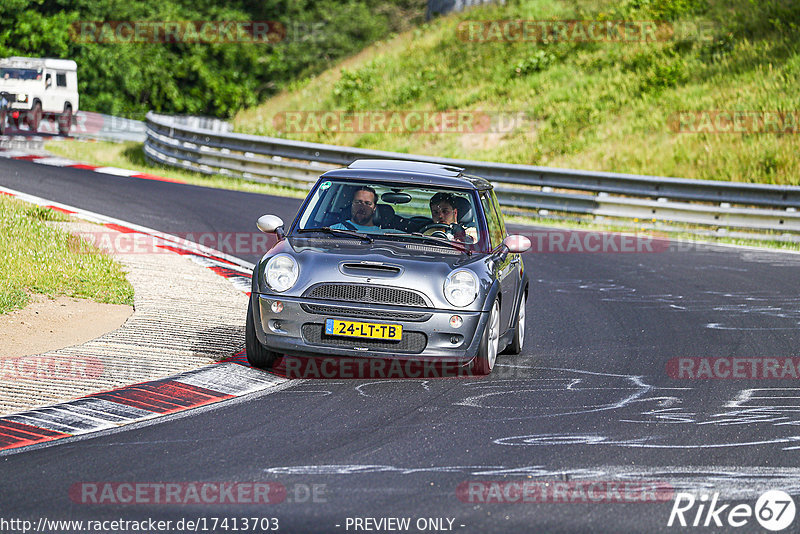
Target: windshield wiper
438	240
337	231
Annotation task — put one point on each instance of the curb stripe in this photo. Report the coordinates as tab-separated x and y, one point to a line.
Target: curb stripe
145	176
184	252
229	378
129	404
56	161
14	434
163	397
98	410
118	228
201	252
47	421
116	171
62	210
83	166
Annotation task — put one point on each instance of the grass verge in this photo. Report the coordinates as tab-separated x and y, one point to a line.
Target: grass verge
38	258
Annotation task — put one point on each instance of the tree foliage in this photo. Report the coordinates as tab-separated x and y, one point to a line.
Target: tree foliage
215	79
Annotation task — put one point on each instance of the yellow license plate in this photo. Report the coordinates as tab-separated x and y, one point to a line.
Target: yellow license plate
336	327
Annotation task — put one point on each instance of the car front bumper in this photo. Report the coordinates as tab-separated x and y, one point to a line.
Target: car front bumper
20	106
298	329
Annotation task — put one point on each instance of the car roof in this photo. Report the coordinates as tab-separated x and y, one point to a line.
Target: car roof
412	172
34	62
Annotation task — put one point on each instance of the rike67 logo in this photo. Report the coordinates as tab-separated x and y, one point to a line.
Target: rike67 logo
774	510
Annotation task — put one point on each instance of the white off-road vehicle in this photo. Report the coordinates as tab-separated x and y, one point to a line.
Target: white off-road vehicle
33	88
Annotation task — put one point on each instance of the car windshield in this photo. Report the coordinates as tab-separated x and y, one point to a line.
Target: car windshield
20	74
394	210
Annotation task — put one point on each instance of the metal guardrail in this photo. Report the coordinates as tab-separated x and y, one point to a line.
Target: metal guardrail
99	126
91	125
526	187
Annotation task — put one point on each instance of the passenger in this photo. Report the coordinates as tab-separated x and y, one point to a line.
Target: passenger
362	211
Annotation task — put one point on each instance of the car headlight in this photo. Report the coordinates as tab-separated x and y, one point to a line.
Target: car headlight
461	288
281	272
22	98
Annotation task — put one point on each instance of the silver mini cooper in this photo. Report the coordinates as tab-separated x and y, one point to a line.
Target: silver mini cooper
394	260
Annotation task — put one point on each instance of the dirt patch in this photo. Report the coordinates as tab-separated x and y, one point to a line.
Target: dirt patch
50	324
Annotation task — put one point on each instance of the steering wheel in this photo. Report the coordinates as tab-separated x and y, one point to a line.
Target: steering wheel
412	224
436	230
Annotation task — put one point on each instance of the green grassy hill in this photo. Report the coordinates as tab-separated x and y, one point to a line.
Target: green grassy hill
590	105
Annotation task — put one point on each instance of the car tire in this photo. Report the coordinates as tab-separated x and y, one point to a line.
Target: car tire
487	352
35	117
257	355
515	347
65	120
3	121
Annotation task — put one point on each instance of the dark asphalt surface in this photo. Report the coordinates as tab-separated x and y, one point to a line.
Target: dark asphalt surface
588	399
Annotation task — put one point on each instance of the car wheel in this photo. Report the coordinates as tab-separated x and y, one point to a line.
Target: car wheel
3	119
257	355
487	353
65	121
35	117
515	347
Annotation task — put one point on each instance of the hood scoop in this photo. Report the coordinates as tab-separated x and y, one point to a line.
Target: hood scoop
370	268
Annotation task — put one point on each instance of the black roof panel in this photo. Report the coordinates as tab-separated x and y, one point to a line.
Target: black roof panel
401	165
413	172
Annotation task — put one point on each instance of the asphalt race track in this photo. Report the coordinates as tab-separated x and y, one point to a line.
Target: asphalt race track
589	399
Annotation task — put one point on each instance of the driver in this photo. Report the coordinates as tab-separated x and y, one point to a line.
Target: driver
445	212
362	211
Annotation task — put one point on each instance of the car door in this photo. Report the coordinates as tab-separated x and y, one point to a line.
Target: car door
49	92
503	264
515	264
59	91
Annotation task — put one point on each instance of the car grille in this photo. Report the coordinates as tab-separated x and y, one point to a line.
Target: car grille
365	313
411	343
366	293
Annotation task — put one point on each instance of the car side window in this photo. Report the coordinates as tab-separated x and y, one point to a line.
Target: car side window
496	231
61	80
499	215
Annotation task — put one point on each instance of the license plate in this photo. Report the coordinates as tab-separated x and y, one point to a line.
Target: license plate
336	327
